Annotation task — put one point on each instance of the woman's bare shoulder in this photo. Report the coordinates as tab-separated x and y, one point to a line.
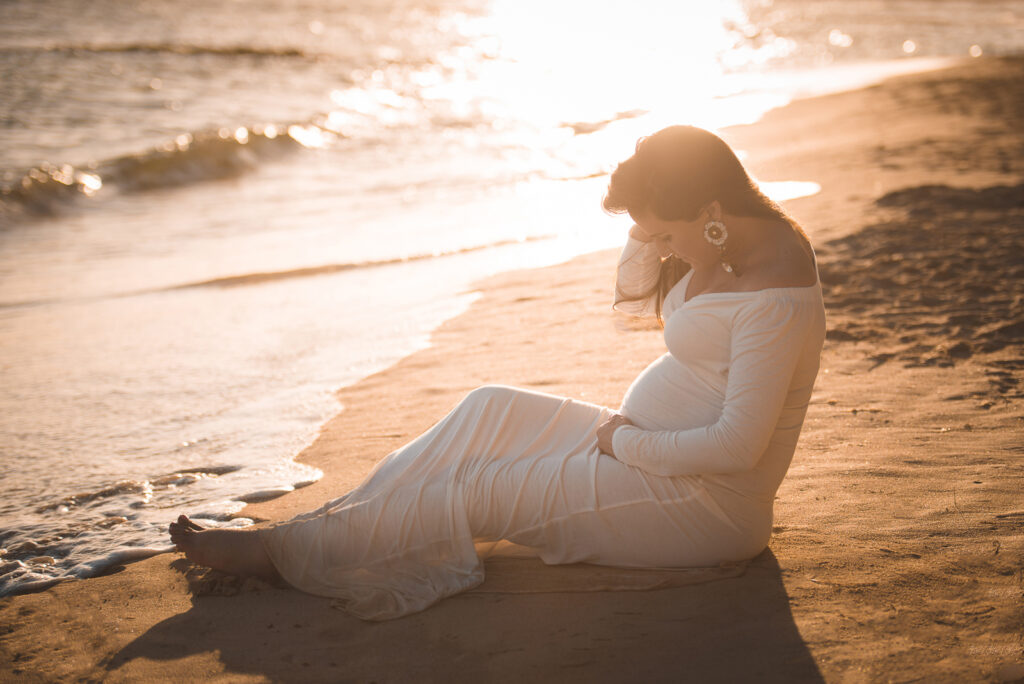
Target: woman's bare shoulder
789	263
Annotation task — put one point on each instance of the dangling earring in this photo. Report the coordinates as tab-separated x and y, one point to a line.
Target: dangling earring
716	234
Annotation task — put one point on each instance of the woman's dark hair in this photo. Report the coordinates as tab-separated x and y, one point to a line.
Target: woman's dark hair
674	174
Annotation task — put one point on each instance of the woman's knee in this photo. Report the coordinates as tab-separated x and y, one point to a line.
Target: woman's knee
490	393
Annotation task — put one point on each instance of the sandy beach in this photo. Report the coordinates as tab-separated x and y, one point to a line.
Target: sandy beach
898	547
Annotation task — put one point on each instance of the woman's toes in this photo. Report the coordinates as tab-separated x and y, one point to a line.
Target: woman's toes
187	522
180	533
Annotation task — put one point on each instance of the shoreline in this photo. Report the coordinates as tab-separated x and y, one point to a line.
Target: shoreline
884	575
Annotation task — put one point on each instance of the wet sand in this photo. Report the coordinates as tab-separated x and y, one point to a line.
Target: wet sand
898	552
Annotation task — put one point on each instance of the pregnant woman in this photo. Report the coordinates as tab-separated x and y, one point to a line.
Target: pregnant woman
683	474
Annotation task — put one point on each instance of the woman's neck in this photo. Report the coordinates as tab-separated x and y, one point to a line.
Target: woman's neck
748	238
760	251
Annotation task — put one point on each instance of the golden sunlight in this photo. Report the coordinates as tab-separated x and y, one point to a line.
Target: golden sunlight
592	77
584	59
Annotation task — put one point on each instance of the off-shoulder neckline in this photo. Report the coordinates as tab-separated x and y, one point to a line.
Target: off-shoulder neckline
685	282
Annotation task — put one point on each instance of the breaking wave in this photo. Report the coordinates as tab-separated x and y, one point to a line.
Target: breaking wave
185	159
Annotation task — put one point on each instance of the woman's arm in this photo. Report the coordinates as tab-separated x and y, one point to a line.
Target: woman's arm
768	337
639	266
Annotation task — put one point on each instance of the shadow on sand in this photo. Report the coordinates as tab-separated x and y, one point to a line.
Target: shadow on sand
732	630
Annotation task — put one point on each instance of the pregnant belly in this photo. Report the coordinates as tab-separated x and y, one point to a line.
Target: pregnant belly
670	396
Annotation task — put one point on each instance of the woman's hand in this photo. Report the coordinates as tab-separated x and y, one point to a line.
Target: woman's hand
606	430
638	233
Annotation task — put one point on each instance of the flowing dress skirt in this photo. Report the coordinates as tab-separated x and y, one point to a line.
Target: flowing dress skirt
505	464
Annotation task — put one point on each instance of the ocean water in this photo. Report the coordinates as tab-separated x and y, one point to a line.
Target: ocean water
213	215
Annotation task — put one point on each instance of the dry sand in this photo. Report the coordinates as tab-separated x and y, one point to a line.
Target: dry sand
898	552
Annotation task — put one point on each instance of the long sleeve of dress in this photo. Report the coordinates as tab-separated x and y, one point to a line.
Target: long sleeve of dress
639	265
767	340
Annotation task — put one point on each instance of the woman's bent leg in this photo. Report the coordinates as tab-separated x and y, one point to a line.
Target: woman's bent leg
405	537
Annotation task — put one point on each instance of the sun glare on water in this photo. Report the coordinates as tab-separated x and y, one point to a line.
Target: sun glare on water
567	86
609	72
580	60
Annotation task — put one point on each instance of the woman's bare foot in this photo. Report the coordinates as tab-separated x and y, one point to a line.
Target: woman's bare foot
238	552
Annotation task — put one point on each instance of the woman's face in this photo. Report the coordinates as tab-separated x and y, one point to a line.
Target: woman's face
684	239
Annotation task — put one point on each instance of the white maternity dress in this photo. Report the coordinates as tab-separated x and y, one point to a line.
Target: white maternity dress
716	422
